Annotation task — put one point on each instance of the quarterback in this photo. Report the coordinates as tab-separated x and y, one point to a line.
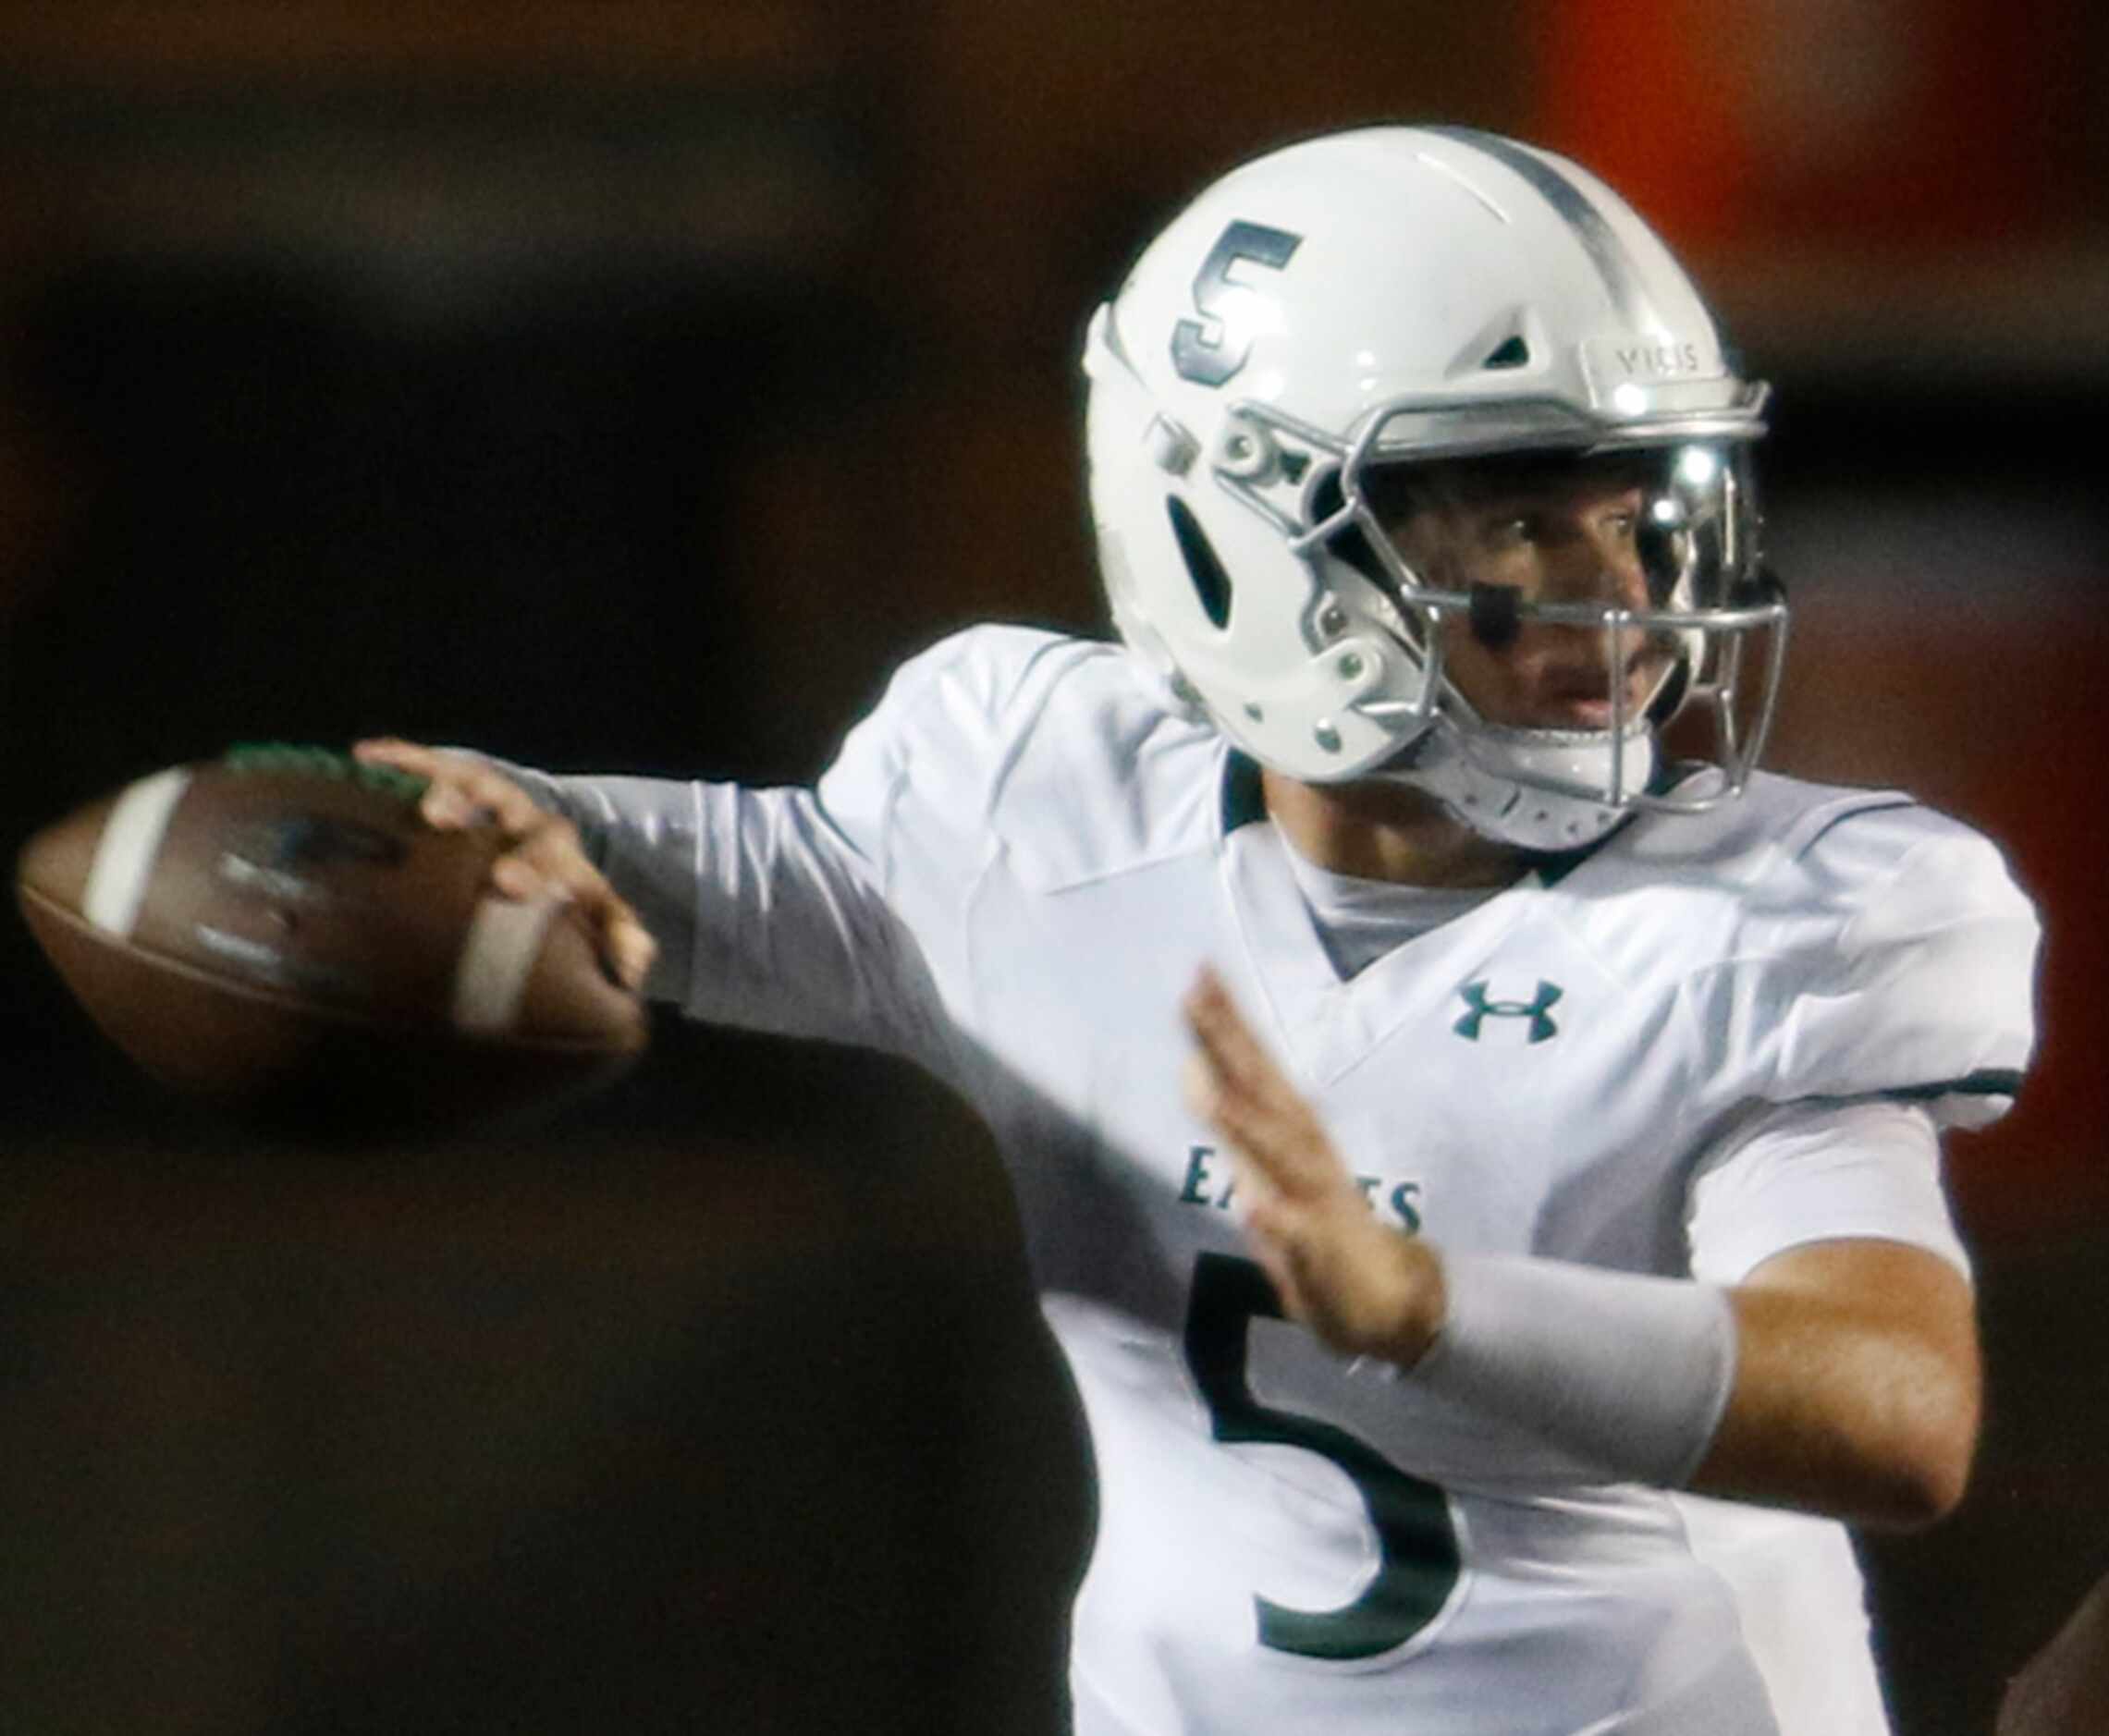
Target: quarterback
1476	1134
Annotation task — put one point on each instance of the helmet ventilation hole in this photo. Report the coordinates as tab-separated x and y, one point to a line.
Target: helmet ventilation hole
1512	353
1211	584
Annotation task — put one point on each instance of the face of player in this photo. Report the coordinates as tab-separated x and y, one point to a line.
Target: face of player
1557	529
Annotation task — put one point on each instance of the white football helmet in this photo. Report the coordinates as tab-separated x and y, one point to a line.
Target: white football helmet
1392	295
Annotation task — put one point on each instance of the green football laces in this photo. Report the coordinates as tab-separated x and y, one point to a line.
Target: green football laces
308	762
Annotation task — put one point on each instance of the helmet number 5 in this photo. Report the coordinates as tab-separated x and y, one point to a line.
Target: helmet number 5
1418	1565
1211	350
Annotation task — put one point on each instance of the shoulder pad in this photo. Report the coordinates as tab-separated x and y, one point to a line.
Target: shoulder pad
1870	946
1058	752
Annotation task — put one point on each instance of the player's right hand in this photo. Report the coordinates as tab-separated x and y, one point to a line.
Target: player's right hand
542	858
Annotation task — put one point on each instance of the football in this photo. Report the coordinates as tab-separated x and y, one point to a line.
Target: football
281	934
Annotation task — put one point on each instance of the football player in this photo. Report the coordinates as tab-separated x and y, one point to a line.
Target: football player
1478	1137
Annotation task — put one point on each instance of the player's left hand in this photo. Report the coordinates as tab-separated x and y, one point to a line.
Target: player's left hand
1365	1290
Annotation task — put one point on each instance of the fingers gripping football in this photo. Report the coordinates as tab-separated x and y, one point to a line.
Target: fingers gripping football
1365	1290
543	859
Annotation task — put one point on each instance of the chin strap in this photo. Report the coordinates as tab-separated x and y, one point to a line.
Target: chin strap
1504	783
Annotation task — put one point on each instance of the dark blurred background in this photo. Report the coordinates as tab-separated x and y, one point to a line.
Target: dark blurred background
630	383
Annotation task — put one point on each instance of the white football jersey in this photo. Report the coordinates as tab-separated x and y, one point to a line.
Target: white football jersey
1639	1059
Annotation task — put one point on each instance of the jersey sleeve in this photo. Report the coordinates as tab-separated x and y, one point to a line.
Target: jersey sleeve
1907	971
763	918
828	912
1789	1175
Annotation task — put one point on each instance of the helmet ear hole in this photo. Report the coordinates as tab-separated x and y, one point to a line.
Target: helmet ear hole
1211	584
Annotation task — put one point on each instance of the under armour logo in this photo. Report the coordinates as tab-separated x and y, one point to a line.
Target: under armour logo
1538	1011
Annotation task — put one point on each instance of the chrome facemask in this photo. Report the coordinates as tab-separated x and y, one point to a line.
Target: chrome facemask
1711	606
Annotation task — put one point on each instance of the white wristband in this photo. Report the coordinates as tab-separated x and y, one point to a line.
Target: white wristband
1627	1372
